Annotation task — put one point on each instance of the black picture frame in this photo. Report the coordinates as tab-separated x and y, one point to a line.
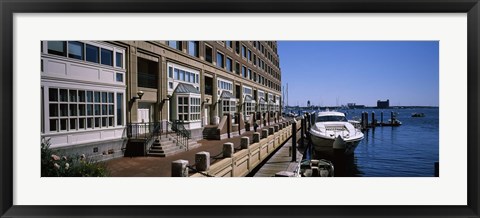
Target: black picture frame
9	7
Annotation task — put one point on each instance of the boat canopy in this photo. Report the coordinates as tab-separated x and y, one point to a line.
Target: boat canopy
331	116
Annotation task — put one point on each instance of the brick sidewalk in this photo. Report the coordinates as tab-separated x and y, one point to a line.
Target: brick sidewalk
161	166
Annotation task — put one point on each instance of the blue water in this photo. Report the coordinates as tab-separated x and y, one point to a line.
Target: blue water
409	150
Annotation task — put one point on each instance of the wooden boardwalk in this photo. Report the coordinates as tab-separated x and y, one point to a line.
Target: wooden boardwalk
280	161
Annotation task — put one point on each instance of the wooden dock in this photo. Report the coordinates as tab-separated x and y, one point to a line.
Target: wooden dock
281	161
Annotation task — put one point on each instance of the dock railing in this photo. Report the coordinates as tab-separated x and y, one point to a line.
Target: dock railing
244	161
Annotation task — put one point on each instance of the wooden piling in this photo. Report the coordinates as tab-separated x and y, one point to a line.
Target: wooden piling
294	141
381	118
302	131
366	120
373	119
391	118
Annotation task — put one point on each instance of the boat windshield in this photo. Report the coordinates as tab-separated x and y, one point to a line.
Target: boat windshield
331	119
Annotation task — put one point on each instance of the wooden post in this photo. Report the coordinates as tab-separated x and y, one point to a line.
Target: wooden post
373	119
362	121
366	119
391	118
381	118
302	132
294	141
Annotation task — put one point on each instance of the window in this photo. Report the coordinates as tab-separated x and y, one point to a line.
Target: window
119	77
75	50
249	74
208	54
57	47
228	106
237	47
147	73
254	59
182	108
220	60
249	107
106	57
249	55
244	71
170	72
244	51
119	109
229	64
188	75
225	106
92	53
72	110
119	59
247	91
193	48
237	68
194	109
228	44
175	44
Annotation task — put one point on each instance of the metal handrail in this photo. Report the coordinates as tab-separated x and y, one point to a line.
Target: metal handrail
144	131
182	134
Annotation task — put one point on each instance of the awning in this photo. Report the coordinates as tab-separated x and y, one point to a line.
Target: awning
226	95
262	101
186	88
249	99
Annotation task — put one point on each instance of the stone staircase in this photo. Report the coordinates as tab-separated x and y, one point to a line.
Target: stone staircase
167	146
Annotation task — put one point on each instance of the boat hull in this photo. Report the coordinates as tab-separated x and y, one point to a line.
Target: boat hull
326	145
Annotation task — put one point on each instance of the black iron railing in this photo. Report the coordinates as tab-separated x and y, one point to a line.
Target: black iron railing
145	131
182	135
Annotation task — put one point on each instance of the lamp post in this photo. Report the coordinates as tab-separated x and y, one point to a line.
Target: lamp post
130	103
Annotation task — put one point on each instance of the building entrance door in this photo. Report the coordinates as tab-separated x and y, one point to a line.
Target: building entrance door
143	118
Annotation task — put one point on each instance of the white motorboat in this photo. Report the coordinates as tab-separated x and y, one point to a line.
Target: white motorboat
333	132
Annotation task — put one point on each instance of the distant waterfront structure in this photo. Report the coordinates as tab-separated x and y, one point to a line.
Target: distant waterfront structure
308	103
354	106
97	95
383	104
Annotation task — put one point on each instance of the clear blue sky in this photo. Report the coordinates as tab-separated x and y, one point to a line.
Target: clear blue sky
362	72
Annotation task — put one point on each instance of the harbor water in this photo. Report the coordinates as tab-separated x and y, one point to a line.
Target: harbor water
409	150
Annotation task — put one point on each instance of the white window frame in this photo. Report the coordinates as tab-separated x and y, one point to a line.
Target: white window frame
110	116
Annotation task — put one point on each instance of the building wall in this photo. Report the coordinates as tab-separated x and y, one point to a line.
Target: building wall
64	72
72	79
166	55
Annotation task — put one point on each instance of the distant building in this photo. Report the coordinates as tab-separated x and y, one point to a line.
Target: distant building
355	106
383	104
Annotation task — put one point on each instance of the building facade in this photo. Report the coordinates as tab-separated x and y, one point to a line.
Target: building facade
383	104
83	90
134	83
